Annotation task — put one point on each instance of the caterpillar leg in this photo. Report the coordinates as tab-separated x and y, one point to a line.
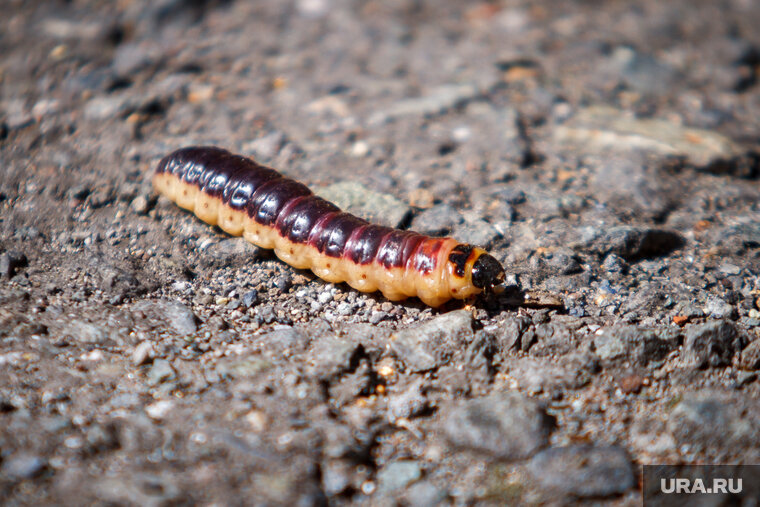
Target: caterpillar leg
186	194
258	234
295	254
361	277
207	208
231	220
328	268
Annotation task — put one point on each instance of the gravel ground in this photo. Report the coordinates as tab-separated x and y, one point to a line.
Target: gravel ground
606	152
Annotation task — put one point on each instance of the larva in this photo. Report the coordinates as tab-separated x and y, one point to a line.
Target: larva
308	232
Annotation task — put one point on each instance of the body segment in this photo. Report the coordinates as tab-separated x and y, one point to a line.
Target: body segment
308	232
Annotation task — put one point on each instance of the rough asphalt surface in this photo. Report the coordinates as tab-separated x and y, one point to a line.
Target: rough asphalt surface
606	152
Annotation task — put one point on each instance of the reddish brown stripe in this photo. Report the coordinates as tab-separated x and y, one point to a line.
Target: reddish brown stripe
363	249
426	256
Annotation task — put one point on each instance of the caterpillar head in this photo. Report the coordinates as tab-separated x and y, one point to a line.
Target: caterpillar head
483	270
487	273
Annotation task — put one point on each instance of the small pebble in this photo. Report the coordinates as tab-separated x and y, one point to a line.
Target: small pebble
720	309
504	425
345	309
397	475
160	409
160	372
712	344
434	342
140	205
359	149
266	146
178	317
23	466
143	353
284	282
325	297
583	470
10	262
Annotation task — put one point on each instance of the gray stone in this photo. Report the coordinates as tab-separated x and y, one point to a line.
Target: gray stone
436	101
101	108
325	297
583	470
86	332
10	262
143	353
424	494
561	261
140	205
714	420
284	282
160	372
633	243
243	367
282	338
508	333
614	264
635	344
712	344
435	342
23	466
601	128
330	355
509	194
27	233
409	403
17	114
535	375
336	476
398	475
629	185
504	425
152	489
101	438
339	441
745	377
377	317
749	233
355	198
250	298
717	308
642	72
117	280
344	309
729	269
131	57
438	220
476	232
178	317
267	146
229	251
750	358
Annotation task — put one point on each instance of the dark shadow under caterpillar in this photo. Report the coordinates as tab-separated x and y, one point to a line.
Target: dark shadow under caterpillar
308	232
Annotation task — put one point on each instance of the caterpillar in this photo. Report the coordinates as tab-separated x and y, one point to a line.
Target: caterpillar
308	232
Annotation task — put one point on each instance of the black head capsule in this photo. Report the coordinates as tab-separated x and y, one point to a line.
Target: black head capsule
487	273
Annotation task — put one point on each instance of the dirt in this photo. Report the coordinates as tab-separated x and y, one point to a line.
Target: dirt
606	152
